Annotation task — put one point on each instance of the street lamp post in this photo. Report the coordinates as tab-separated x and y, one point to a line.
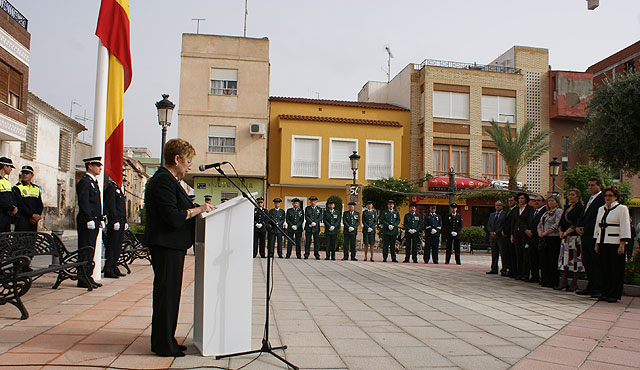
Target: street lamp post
355	160
165	113
554	170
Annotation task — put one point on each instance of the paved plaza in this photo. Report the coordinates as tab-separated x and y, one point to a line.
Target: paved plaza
339	315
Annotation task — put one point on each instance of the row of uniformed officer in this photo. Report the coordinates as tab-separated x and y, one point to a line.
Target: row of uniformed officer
22	201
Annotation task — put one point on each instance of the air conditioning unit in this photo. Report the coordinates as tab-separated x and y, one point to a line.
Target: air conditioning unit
256	128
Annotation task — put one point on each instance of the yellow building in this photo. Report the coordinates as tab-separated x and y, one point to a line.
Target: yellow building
310	141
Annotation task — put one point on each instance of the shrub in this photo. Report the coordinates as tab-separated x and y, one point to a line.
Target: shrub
472	234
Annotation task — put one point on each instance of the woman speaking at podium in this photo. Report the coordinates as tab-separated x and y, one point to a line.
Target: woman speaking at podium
169	232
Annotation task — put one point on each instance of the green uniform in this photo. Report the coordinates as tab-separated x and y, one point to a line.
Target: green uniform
275	236
389	234
294	220
369	221
312	215
412	222
331	218
350	220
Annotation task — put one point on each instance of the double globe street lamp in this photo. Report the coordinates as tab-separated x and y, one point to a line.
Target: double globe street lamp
165	113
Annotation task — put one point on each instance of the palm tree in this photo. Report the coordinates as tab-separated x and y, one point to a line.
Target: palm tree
520	149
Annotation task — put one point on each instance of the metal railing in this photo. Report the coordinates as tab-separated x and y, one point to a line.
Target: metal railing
14	13
462	65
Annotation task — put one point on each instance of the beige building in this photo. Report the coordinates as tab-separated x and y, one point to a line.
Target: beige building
452	103
223	109
134	182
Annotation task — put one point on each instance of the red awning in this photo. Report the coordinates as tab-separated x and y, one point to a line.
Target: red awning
461	183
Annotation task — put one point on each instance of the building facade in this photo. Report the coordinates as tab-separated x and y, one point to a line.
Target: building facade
310	141
134	182
223	109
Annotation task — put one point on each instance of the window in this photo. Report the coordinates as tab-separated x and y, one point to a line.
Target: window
64	150
224	81
422	104
28	148
565	153
222	139
450	105
457	155
629	66
493	165
339	163
379	159
10	86
498	108
305	159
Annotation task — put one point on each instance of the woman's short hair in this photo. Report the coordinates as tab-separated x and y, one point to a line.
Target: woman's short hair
576	192
554	197
525	195
179	147
614	189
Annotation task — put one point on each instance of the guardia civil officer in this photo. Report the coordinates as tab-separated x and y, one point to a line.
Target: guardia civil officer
275	235
413	227
432	230
90	218
115	205
369	224
331	219
453	225
259	228
312	217
294	219
29	197
8	201
389	220
207	199
351	221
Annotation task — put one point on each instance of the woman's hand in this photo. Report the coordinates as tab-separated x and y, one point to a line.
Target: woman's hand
207	208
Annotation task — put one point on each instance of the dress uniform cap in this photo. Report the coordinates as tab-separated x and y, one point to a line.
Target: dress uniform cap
26	169
330	201
4	161
192	197
277	200
413	204
207	197
351	203
313	197
453	205
295	200
224	199
260	200
93	160
369	202
391	201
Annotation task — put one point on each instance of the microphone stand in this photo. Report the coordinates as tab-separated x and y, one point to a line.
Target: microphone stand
266	345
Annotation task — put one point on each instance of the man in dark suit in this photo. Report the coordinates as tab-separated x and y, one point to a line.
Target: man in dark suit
89	219
495	225
275	235
452	226
534	239
294	219
585	228
331	220
413	227
259	229
432	230
313	218
351	222
115	203
29	198
509	254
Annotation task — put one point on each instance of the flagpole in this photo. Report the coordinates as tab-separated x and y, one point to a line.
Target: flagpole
99	127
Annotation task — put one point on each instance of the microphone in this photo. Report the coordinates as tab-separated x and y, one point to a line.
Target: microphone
204	167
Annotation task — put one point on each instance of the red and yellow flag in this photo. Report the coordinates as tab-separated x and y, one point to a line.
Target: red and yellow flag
113	31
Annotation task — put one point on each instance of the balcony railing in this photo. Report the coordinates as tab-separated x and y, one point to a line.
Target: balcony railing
14	13
462	65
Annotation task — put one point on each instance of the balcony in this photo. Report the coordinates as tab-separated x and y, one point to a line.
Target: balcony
14	13
470	66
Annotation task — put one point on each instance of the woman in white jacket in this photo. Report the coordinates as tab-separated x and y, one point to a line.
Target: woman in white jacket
613	230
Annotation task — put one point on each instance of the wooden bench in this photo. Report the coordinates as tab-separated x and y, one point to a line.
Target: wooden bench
16	273
132	249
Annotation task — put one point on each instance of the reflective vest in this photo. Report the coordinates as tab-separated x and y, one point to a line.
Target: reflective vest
28	191
5	185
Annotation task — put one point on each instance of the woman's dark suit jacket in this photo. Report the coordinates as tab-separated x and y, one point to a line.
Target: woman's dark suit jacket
520	221
166	205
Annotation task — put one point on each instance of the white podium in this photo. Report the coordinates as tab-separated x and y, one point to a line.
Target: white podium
223	279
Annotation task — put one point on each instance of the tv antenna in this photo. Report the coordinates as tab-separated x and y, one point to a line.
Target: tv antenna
316	93
246	12
388	49
83	118
198	23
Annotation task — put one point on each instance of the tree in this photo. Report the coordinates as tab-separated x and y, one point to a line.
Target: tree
520	149
613	124
380	191
578	177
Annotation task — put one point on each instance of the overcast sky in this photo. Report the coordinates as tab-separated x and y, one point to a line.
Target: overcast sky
327	48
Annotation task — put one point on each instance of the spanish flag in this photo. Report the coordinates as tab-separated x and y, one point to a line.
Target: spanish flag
113	32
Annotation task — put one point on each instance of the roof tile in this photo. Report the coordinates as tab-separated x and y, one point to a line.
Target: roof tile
343	103
340	120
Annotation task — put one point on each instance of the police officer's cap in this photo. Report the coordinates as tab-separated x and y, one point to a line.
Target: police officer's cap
260	200
93	160
413	204
453	205
26	169
4	161
391	201
351	203
277	200
313	197
224	199
192	197
295	200
369	202
207	197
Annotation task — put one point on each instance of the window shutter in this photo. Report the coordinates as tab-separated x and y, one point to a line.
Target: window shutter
222	131
305	157
64	151
340	163
28	147
507	109
4	82
489	108
15	82
441	104
459	105
378	160
224	74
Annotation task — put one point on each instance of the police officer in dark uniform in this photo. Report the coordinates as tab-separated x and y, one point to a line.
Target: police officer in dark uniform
369	224
452	226
207	199
89	218
115	205
259	229
413	228
351	221
312	217
331	219
389	220
432	230
29	198
275	235
8	201
294	218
